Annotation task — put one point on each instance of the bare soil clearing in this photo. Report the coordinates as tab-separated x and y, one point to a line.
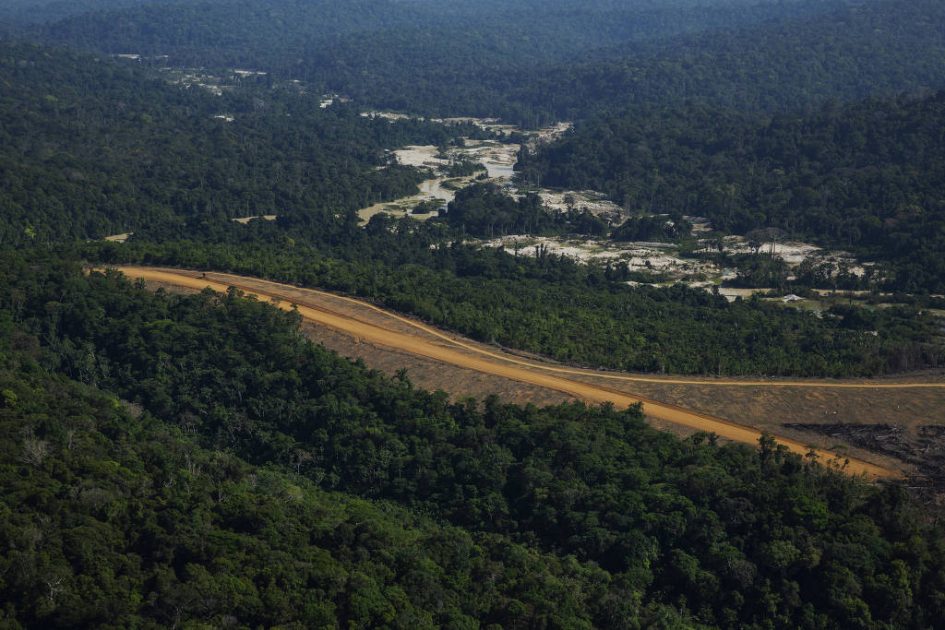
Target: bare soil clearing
667	259
498	159
404	335
246	220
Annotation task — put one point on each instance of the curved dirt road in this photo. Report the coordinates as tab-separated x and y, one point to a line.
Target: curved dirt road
515	369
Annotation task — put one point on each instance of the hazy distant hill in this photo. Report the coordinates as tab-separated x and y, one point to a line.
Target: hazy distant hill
859	50
266	28
415	54
39	11
532	63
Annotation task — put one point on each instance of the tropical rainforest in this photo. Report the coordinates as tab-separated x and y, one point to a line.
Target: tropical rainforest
866	176
193	461
234	473
553	306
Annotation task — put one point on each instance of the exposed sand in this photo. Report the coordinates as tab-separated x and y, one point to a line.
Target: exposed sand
264	217
499	160
593	202
795	252
391	116
579	249
550	134
419	156
313	307
489	124
639	256
664	258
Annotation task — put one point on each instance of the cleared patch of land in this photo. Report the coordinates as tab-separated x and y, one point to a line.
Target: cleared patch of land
246	220
498	160
666	261
369	325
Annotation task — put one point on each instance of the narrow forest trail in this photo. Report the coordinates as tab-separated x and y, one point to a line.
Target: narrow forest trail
312	307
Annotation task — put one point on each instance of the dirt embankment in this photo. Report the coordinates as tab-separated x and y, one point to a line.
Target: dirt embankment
367	324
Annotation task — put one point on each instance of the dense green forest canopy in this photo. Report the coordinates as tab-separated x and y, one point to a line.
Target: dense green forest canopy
28	12
866	177
858	50
115	515
486	211
854	51
553	305
194	459
138	155
141	526
230	31
532	65
94	147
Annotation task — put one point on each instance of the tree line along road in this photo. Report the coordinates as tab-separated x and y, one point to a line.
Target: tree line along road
313	307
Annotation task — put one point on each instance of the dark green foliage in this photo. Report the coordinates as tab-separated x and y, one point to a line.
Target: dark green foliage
23	12
554	306
426	57
485	210
90	148
111	518
822	275
849	51
427	207
866	177
653	228
761	271
193	461
234	31
571	515
464	168
531	63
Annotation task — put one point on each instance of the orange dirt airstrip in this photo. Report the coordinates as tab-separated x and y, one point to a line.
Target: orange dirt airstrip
408	336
